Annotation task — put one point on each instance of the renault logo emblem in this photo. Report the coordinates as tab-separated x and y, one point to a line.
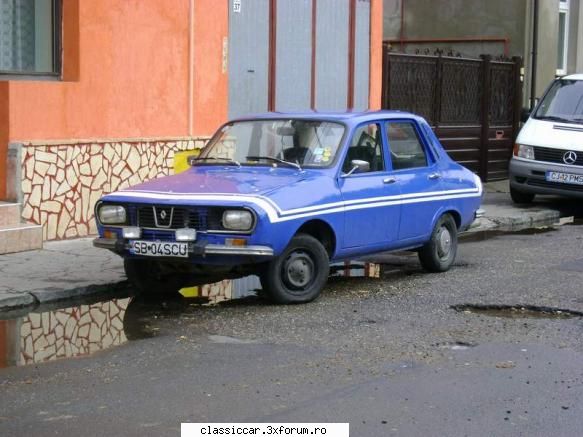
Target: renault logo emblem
570	157
163	216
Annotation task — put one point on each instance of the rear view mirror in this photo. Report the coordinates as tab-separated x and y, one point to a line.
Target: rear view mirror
358	166
286	131
524	114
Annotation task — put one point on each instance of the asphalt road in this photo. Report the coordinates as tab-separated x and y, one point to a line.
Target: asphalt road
389	355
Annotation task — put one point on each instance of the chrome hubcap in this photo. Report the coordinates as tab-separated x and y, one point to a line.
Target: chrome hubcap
443	242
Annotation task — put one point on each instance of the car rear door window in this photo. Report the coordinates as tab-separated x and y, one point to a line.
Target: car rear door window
405	145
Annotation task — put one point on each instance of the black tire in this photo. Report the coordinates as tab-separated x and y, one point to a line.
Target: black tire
521	197
438	254
146	277
298	274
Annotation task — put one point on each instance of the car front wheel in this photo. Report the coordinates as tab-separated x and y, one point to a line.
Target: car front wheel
299	273
438	254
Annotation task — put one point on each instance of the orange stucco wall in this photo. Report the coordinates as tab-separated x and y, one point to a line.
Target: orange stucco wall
130	78
4	122
211	28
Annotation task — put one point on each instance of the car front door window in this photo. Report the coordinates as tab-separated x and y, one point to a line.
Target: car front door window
366	145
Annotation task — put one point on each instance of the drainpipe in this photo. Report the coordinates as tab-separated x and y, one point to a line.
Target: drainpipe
533	55
402	28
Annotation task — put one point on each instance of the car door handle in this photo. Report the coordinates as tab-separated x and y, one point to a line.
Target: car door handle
434	176
389	180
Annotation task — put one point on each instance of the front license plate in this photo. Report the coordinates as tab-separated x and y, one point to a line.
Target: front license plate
565	178
159	248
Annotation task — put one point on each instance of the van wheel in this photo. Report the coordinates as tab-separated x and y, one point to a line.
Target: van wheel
520	196
439	253
147	278
299	273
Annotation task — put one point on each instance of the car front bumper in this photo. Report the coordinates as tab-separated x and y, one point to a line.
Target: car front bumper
121	247
530	177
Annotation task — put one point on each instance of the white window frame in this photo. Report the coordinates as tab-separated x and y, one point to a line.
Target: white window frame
564	6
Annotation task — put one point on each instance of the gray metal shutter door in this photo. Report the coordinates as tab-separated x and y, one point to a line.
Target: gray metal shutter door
248	57
332	54
293	55
362	55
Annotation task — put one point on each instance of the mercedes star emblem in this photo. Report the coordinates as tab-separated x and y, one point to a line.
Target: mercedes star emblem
570	157
163	215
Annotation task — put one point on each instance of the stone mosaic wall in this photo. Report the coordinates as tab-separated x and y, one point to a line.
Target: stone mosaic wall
218	291
61	183
72	332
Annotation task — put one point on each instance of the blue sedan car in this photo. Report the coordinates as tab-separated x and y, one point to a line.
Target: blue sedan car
282	195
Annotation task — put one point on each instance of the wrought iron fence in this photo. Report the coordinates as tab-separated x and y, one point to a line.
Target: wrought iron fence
460	97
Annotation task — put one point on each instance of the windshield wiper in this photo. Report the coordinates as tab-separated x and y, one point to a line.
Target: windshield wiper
274	159
553	118
213	158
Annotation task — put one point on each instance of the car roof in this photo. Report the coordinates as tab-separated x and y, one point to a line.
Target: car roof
578	76
349	117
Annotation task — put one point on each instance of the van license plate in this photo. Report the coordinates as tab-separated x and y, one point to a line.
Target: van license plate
159	248
565	178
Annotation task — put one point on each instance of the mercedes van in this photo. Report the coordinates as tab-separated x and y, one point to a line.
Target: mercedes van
548	155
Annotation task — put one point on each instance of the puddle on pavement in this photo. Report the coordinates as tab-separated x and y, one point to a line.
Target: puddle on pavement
518	311
50	333
42	336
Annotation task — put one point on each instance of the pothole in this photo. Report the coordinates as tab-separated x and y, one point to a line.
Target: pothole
456	345
518	311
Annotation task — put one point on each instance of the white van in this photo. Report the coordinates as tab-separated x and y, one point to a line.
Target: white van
548	155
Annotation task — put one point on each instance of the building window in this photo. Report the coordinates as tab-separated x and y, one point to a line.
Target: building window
563	39
30	38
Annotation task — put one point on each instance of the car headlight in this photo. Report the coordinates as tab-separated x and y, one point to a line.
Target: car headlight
522	151
237	220
112	214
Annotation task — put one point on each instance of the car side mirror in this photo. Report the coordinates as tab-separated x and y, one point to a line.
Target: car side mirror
524	114
358	166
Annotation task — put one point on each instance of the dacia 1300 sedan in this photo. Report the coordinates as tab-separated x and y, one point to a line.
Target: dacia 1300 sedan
282	195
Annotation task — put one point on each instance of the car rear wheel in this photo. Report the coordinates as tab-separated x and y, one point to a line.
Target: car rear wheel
299	273
521	197
439	253
146	276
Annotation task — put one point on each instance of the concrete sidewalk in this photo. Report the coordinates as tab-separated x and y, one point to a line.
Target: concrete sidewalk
501	212
74	268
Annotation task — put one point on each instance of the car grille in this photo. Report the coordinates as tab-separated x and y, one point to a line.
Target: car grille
555	155
176	217
546	184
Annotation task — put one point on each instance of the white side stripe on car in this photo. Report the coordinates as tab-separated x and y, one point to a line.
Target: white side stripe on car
276	214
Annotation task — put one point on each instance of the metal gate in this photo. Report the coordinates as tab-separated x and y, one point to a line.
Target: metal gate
294	55
473	105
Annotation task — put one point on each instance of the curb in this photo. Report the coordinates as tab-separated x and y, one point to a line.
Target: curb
12	304
12	300
532	219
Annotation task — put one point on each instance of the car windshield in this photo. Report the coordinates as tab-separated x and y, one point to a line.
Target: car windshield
563	102
286	142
